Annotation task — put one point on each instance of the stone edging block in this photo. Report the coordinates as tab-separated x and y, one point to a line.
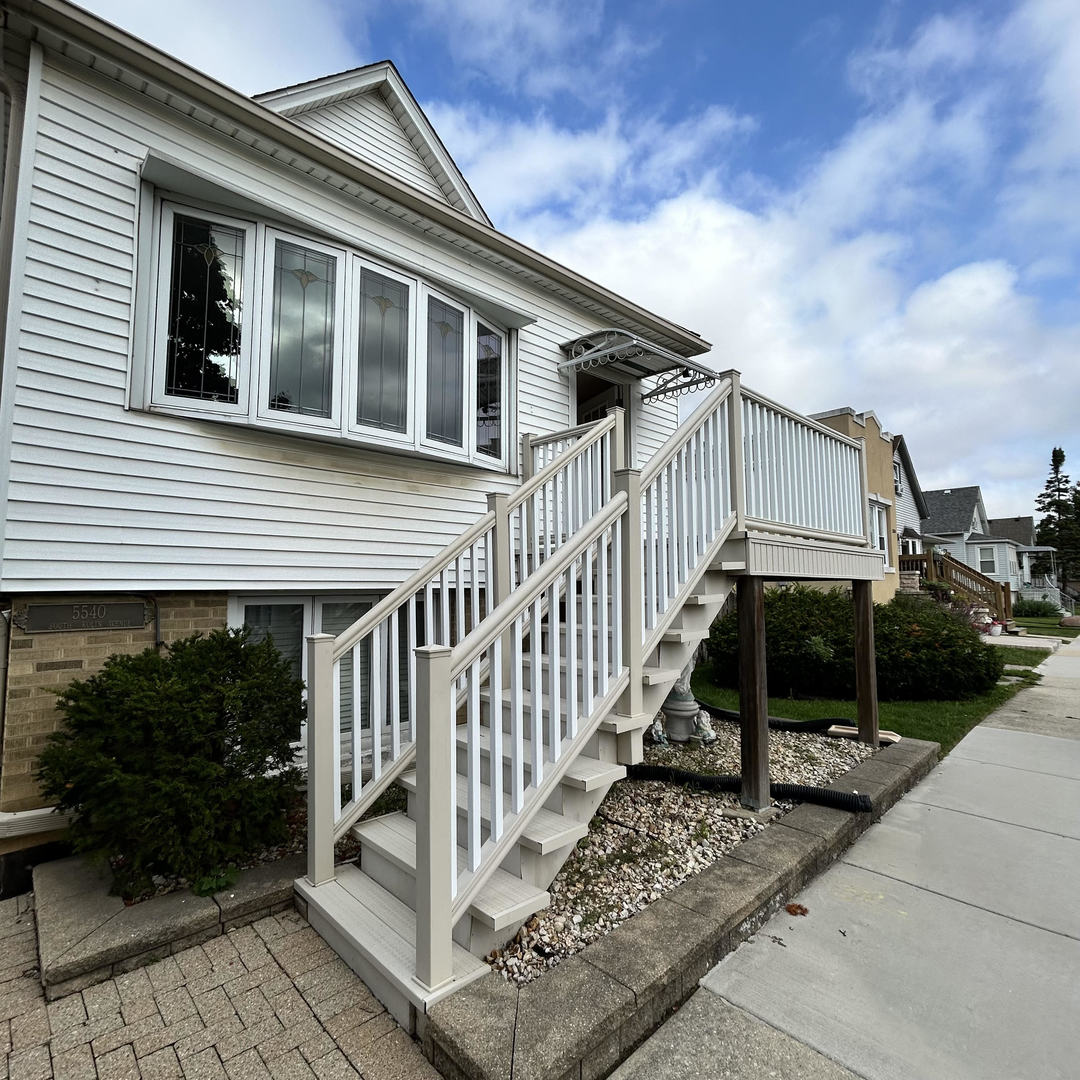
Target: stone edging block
86	936
592	1011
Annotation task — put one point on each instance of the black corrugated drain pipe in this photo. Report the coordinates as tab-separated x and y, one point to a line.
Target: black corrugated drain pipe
837	800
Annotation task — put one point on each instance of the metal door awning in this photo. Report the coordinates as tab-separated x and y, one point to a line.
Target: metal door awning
627	354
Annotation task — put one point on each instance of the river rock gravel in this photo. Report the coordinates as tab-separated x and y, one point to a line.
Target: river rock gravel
646	838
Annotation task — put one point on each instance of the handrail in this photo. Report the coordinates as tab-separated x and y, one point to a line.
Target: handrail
435	565
596	431
499	621
559	436
806	421
685	432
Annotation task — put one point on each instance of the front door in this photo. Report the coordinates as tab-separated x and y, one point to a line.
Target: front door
595	395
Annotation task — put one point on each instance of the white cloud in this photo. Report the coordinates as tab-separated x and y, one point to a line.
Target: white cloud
250	45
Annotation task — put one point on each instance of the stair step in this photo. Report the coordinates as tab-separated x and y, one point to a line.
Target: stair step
651	676
547	830
676	636
701	599
585	773
504	901
366	925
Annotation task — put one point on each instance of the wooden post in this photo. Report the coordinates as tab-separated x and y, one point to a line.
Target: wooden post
753	693
435	813
320	759
865	665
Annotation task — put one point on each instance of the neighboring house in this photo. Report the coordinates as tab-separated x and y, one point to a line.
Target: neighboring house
895	503
958	517
1033	584
911	506
267	362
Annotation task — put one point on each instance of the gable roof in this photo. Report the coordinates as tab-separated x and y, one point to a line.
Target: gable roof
950	510
384	80
1020	529
120	57
901	450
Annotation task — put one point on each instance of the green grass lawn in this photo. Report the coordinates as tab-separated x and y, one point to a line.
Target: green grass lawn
1048	626
945	722
1017	654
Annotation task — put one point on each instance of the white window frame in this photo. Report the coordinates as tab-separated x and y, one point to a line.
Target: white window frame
993	559
253	369
280	418
879	517
898	478
404	439
169	211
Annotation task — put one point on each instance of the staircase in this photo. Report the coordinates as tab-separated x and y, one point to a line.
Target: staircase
506	685
961	578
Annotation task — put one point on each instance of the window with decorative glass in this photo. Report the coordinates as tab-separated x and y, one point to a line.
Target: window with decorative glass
280	330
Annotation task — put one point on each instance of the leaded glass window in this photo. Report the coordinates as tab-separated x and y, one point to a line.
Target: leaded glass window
446	372
302	331
383	377
488	391
205	297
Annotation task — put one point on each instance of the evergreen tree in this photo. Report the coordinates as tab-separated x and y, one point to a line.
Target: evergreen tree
1059	502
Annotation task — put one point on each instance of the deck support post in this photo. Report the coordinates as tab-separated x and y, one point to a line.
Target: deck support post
736	453
865	665
436	812
753	693
320	759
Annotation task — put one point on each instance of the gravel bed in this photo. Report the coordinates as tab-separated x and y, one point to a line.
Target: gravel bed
647	838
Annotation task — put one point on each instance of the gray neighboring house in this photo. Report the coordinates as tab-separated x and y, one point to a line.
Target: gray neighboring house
1033	585
958	516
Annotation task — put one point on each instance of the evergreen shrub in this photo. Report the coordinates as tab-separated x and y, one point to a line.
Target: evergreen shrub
179	763
923	649
1035	609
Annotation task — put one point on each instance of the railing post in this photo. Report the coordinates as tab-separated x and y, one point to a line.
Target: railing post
864	496
737	453
320	759
527	469
501	583
632	603
618	441
435	811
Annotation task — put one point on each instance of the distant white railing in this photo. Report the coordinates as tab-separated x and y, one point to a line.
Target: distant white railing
800	475
687	500
1050	593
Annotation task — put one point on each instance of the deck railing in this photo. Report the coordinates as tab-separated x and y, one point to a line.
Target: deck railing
586	562
800	476
686	500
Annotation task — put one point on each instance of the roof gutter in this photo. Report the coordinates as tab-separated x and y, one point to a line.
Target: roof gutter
130	52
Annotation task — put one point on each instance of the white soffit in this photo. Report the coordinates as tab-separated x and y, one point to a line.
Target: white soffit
628	354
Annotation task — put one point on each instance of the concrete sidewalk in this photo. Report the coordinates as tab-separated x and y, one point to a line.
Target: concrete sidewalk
945	943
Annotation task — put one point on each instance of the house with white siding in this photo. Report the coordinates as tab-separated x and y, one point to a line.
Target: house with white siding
267	362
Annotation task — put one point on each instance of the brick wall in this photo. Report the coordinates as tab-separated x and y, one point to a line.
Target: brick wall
41	664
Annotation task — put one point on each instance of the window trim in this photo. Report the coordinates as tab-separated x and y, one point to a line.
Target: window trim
158	360
881	507
993	559
263	413
342	428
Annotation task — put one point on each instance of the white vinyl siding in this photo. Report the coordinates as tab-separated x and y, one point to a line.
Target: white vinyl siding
365	126
100	497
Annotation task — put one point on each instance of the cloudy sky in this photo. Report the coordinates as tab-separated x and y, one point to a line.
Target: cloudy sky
858	203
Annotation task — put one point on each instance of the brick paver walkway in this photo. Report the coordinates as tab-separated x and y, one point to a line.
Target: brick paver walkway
267	1000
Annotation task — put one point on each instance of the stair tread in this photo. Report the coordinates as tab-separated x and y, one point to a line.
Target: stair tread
584	772
504	900
700	599
378	926
546	831
653	675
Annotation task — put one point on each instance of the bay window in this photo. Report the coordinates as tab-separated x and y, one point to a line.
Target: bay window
258	325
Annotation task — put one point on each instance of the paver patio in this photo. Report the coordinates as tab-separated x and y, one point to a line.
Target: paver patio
267	1000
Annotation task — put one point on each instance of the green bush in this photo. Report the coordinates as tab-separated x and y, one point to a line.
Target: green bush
1035	609
923	650
178	764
